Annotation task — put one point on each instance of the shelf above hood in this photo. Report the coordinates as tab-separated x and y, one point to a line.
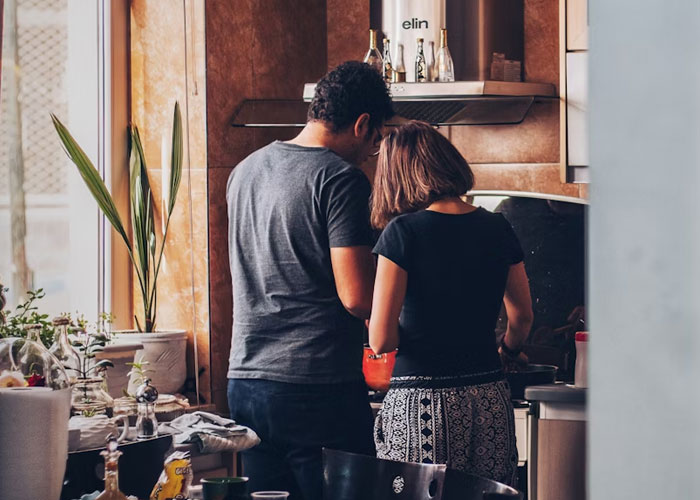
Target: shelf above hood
453	103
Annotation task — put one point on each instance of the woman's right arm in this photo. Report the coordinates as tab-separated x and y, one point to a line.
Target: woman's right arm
518	307
389	293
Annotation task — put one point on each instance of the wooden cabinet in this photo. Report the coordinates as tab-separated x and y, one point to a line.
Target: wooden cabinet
576	25
577	108
573	89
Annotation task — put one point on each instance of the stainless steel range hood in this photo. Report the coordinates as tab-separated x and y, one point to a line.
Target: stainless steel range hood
463	103
454	103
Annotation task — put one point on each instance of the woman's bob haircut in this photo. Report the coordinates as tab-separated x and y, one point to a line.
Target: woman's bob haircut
417	166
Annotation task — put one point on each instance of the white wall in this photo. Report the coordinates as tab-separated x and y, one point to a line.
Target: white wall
644	249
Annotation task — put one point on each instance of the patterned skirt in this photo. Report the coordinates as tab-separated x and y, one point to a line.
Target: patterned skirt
467	427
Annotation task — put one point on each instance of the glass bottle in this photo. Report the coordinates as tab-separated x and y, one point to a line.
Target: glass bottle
400	68
146	422
373	57
421	70
387	69
88	398
111	454
445	67
432	69
34	360
63	350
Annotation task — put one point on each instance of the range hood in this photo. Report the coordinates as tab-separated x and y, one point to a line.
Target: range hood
454	103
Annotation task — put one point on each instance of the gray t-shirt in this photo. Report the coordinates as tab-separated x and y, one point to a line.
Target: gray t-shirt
287	206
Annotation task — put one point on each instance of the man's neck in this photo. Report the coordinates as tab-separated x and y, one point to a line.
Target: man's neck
319	135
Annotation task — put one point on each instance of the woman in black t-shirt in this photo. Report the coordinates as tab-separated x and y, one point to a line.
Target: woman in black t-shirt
444	268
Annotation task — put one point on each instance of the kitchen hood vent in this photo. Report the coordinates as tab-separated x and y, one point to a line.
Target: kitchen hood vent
453	103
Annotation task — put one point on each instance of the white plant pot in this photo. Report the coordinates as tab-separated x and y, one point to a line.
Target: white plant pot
33	442
165	352
119	354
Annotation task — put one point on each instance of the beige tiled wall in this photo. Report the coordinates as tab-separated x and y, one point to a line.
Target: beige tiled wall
160	75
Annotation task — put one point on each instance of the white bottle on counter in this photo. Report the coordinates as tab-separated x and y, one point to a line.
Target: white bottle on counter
581	366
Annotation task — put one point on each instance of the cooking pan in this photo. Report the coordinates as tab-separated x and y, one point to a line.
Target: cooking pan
531	375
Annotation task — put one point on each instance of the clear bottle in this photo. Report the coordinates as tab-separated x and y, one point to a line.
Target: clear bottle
445	67
35	360
421	68
146	422
387	68
63	350
111	454
400	68
373	57
432	69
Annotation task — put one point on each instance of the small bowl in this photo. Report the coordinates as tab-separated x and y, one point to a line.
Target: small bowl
224	488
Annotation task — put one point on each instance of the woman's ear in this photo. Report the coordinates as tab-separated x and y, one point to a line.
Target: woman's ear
361	128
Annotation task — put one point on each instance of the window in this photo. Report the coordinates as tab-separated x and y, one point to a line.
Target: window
53	236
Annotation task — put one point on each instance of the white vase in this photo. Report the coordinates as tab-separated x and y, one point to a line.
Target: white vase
34	437
119	354
165	352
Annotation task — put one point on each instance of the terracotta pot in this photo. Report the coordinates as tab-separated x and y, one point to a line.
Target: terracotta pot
377	369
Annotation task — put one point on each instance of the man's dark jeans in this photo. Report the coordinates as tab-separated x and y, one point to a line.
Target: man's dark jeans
294	421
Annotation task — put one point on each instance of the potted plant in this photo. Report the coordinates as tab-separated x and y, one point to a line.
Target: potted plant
89	396
26	313
164	350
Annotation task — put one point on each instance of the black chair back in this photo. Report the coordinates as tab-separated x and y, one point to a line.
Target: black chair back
349	476
464	486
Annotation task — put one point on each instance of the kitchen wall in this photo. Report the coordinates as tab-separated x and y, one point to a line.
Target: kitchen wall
160	76
270	48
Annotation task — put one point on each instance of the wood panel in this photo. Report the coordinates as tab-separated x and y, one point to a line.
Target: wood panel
576	24
348	25
561	460
255	49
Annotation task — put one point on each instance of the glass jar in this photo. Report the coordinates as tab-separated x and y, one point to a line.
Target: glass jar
90	398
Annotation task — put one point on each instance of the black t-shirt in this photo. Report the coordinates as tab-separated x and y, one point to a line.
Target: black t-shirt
457	268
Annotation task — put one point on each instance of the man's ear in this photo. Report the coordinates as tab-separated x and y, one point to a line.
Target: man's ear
361	127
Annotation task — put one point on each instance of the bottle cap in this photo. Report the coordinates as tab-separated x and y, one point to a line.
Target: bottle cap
146	393
61	320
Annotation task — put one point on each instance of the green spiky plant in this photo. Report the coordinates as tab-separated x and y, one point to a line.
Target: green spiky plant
144	253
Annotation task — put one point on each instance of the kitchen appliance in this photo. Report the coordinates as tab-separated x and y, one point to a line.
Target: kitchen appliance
477	29
533	374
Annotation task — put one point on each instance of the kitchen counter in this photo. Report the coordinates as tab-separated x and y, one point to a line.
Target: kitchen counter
558	392
557	442
558	401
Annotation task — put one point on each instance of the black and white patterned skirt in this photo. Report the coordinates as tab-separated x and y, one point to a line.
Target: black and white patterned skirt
470	427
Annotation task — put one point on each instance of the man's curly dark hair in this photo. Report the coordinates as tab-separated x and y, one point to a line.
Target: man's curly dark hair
346	92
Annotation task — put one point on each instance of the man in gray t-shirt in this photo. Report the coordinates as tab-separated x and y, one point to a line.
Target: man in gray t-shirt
302	271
